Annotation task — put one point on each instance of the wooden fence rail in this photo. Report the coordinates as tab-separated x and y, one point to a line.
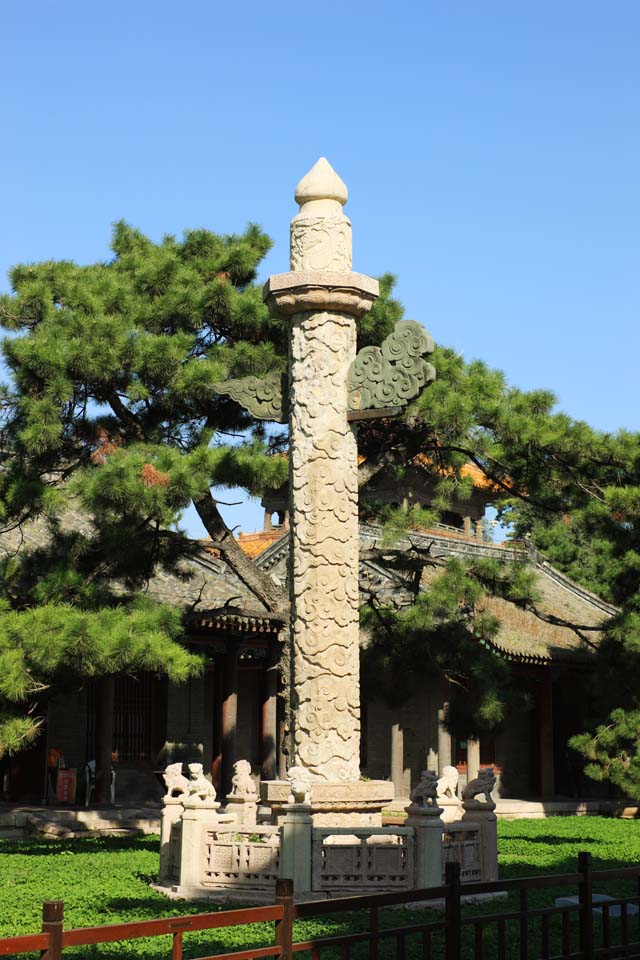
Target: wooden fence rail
588	929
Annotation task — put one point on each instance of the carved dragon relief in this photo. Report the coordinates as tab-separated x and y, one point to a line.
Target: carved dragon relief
379	377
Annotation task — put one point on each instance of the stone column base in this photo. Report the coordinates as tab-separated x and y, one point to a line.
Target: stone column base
244	809
341	804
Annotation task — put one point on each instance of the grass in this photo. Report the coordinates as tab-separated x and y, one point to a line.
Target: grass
106	880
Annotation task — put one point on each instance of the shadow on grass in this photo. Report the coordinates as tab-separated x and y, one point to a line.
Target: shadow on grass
154	905
549	840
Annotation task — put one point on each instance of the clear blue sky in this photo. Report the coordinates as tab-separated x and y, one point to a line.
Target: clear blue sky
492	151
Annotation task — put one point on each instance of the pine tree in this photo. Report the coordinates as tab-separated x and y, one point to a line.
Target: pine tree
598	544
574	491
113	405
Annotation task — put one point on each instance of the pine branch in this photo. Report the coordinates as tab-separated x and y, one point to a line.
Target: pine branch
260	584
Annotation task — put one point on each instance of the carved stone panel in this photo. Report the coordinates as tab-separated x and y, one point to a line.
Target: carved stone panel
365	859
321	243
240	858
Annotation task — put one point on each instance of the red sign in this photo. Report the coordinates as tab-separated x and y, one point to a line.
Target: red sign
66	785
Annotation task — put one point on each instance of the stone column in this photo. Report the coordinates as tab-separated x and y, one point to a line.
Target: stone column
397	759
282	734
473	759
323	298
444	740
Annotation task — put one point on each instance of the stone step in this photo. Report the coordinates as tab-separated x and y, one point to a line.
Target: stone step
145	819
60	829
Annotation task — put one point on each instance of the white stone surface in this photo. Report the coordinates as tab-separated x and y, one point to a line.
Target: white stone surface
358	803
429	828
170	817
295	846
324	495
320	232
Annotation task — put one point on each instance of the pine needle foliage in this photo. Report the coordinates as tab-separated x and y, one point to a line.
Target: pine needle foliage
571	491
112	408
112	411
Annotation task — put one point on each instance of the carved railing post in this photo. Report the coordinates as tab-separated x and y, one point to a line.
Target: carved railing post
482	813
424	815
296	837
169	820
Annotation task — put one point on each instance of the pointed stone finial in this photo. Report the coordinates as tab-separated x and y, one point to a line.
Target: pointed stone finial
320	232
321	183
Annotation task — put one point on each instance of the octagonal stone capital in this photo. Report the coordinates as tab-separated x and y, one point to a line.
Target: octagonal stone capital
289	293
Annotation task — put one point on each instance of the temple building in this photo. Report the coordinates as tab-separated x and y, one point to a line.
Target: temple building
233	710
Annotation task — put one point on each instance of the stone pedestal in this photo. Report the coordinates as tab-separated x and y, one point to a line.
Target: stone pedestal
244	810
428	826
171	813
356	804
483	815
295	846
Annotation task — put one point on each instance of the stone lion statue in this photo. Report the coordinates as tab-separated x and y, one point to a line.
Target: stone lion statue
298	777
425	793
482	785
242	784
448	784
199	786
177	785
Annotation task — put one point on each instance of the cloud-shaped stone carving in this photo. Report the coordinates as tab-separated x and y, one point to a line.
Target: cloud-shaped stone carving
393	374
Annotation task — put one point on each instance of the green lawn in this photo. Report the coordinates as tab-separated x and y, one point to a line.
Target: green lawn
107	881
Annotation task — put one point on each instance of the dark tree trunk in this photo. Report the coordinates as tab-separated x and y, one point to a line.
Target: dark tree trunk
269	716
260	584
105	700
229	717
